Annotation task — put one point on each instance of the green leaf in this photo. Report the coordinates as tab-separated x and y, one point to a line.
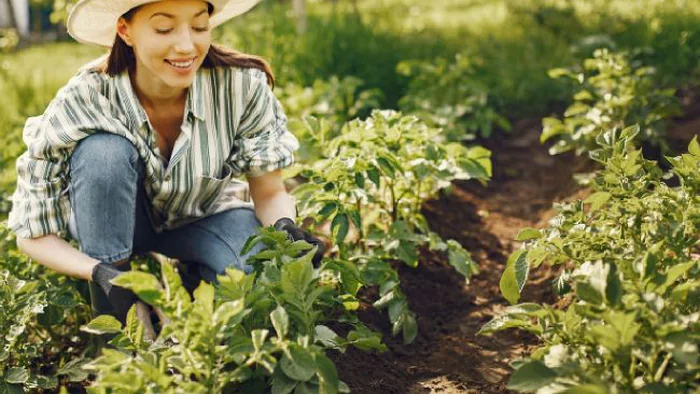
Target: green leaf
694	147
410	328
7	388
555	73
588	293
64	301
327	210
531	376
586	389
514	276
407	253
339	227
461	260
356	218
300	366
16	375
625	325
360	180
674	273
144	285
528	234
297	276
597	200
281	383
204	297
103	324
227	310
613	289
280	320
326	336
605	336
516	316
327	374
374	176
386	167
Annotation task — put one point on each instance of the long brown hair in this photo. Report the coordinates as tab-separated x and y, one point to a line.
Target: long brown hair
121	57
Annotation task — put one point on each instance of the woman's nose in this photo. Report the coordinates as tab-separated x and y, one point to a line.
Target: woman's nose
184	43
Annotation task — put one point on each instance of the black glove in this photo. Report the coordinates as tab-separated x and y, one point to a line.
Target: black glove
297	234
120	298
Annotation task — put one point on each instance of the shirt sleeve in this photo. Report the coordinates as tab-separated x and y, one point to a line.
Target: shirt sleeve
262	142
41	200
40	203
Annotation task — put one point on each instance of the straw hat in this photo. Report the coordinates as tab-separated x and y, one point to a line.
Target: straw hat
95	21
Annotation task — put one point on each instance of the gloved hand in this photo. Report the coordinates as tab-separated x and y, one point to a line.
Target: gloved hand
120	298
297	234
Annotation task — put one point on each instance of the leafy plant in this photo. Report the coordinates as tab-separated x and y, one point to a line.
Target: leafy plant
373	178
448	94
41	313
335	100
614	92
631	262
245	333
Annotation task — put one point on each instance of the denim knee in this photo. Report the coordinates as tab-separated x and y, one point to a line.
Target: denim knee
105	180
103	156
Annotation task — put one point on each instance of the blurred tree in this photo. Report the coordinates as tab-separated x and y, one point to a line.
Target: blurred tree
300	12
12	14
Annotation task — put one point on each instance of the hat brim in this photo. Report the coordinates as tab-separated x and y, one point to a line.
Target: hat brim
95	21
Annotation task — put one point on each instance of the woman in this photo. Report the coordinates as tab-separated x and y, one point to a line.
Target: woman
140	150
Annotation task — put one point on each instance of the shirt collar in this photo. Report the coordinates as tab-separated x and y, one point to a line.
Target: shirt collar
195	101
134	110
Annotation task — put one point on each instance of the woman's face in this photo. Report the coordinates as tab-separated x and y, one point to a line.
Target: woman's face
170	39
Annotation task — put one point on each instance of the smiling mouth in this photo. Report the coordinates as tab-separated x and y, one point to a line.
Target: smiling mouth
182	65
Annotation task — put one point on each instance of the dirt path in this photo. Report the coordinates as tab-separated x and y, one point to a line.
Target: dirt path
447	356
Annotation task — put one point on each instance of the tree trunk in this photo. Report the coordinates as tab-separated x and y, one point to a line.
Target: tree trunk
13	15
300	12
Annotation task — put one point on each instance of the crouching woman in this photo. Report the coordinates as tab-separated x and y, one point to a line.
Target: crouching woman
141	149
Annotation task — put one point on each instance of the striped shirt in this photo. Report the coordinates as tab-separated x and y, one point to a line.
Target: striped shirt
233	126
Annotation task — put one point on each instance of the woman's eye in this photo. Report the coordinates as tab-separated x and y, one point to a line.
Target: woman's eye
201	29
163	31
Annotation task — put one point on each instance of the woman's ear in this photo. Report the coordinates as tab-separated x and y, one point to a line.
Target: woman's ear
124	31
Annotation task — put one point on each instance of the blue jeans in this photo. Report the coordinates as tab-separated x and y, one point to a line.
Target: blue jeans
110	221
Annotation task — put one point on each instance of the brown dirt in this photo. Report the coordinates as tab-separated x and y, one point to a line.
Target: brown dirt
448	356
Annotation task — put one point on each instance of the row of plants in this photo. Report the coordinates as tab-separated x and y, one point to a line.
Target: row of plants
40	339
613	90
370	184
628	316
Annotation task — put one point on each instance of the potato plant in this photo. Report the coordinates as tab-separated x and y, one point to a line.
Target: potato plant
40	343
335	100
631	262
448	94
242	334
612	91
373	178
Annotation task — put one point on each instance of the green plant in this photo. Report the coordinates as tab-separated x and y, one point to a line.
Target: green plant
40	343
335	100
373	178
243	334
631	257
614	92
448	94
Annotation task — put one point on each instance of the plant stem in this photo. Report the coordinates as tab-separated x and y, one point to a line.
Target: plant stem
394	208
360	234
662	369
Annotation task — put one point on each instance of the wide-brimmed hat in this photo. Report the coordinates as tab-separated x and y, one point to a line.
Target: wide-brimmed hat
95	21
